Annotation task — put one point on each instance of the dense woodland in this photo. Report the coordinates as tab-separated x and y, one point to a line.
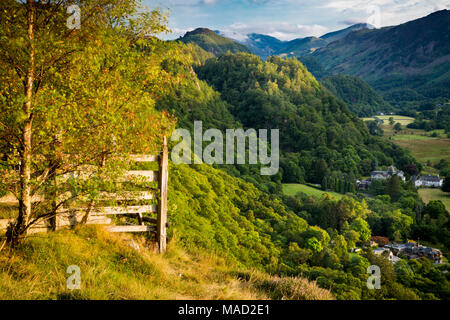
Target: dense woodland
228	210
288	93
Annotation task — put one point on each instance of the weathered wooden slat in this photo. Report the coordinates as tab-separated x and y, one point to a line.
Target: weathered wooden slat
75	220
42	226
144	158
11	199
131	229
148	175
128	196
115	210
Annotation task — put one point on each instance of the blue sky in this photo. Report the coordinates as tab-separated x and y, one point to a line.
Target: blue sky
289	19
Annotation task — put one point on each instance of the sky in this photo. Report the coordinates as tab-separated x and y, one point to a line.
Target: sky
288	19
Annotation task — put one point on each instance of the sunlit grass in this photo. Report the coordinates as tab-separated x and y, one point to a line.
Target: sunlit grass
435	194
291	189
111	269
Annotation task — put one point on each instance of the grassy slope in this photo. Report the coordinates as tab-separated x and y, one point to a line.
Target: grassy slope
292	189
110	269
435	194
423	147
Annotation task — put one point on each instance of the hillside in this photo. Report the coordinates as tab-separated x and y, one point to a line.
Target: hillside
337	35
409	62
361	98
301	47
119	267
211	42
314	126
108	99
262	45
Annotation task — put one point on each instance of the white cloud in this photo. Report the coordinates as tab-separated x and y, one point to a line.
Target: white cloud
289	19
391	12
280	30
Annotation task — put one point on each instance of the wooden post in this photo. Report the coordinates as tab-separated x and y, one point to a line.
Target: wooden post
162	203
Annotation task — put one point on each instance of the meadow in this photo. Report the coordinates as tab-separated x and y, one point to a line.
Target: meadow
423	146
403	120
291	189
435	194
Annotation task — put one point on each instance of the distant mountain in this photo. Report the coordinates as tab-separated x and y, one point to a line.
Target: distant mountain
409	62
266	46
262	45
212	42
301	47
337	35
361	98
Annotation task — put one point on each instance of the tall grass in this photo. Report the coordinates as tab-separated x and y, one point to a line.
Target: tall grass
112	269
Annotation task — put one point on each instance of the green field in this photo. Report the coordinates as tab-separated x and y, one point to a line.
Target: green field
435	194
292	189
404	121
422	146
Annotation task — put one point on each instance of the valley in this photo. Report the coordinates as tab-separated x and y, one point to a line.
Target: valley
82	116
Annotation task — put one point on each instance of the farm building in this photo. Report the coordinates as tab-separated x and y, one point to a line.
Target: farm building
428	181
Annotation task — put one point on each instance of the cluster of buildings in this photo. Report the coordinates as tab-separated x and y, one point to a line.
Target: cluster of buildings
380	175
415	251
428	181
409	250
383	175
394	252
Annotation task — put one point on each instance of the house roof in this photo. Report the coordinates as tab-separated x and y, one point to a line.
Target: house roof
430	178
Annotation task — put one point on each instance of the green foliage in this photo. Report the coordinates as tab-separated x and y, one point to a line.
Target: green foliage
318	133
70	100
446	184
361	98
362	227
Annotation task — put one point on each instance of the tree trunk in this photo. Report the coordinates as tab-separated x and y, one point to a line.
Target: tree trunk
19	228
92	203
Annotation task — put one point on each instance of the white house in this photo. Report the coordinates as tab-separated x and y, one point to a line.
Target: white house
384	175
428	181
384	252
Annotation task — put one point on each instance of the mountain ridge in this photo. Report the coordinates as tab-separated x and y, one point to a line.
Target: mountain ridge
395	60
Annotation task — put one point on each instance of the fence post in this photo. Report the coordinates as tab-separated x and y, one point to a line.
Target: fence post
162	203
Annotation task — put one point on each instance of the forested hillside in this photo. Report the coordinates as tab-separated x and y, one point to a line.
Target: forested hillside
360	97
303	235
319	135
